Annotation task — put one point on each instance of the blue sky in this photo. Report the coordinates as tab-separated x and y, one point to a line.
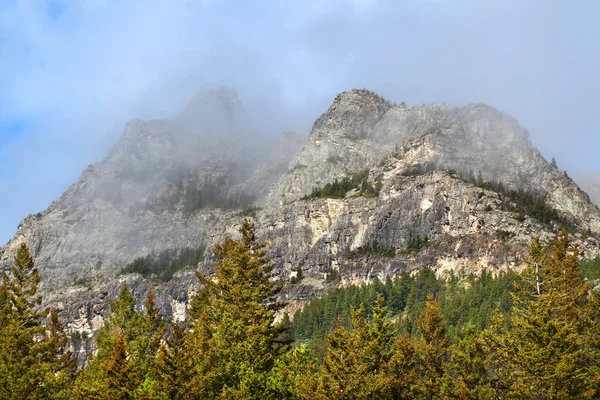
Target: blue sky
72	72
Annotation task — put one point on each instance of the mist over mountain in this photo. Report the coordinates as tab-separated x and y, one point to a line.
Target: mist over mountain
74	72
590	182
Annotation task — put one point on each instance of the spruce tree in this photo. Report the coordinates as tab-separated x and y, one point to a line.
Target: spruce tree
128	345
34	362
356	360
433	349
234	341
470	366
542	354
172	366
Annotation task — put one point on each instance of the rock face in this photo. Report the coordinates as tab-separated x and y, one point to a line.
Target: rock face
171	184
590	182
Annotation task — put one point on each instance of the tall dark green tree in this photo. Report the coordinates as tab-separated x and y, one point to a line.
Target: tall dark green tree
34	361
128	345
234	340
543	353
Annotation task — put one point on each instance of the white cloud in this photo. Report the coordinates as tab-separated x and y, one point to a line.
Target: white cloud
75	77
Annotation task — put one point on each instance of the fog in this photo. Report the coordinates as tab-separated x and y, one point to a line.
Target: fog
72	72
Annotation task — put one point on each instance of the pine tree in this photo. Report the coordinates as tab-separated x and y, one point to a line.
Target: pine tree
433	349
128	345
542	354
172	366
234	340
34	362
470	366
356	360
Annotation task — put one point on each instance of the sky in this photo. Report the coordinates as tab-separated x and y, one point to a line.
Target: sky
72	72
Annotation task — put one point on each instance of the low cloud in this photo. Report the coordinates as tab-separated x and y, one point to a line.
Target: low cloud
72	72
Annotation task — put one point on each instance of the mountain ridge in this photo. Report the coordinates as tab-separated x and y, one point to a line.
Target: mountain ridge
164	185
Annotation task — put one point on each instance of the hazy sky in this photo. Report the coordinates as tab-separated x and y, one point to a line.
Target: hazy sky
72	72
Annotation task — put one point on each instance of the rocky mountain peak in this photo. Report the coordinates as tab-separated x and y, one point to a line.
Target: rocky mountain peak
354	113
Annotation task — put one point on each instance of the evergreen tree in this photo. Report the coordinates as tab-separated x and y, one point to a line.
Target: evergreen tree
34	362
542	355
128	345
356	360
433	349
172	366
470	366
234	341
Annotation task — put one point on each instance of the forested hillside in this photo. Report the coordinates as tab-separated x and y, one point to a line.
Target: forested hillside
534	335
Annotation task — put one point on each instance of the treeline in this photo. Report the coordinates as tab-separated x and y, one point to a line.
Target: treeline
163	265
471	300
373	247
338	188
413	337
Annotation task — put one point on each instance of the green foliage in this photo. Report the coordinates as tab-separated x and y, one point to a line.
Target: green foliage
522	203
234	341
357	358
194	193
471	302
372	247
34	360
416	243
505	235
128	345
298	277
338	189
419	169
332	276
545	351
249	211
530	336
590	269
166	263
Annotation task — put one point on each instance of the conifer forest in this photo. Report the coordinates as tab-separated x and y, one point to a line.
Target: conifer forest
528	335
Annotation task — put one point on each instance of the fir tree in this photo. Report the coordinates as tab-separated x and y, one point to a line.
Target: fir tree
34	362
172	366
470	366
432	348
234	340
356	360
542	355
128	345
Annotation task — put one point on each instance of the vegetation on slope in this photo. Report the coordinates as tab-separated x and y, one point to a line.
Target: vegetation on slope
529	336
519	201
372	247
166	263
338	188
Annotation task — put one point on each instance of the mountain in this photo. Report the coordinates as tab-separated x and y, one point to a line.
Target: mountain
375	189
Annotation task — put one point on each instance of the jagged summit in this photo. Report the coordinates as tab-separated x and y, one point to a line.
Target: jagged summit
355	112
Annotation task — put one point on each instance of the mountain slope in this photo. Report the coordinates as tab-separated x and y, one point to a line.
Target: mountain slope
172	184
